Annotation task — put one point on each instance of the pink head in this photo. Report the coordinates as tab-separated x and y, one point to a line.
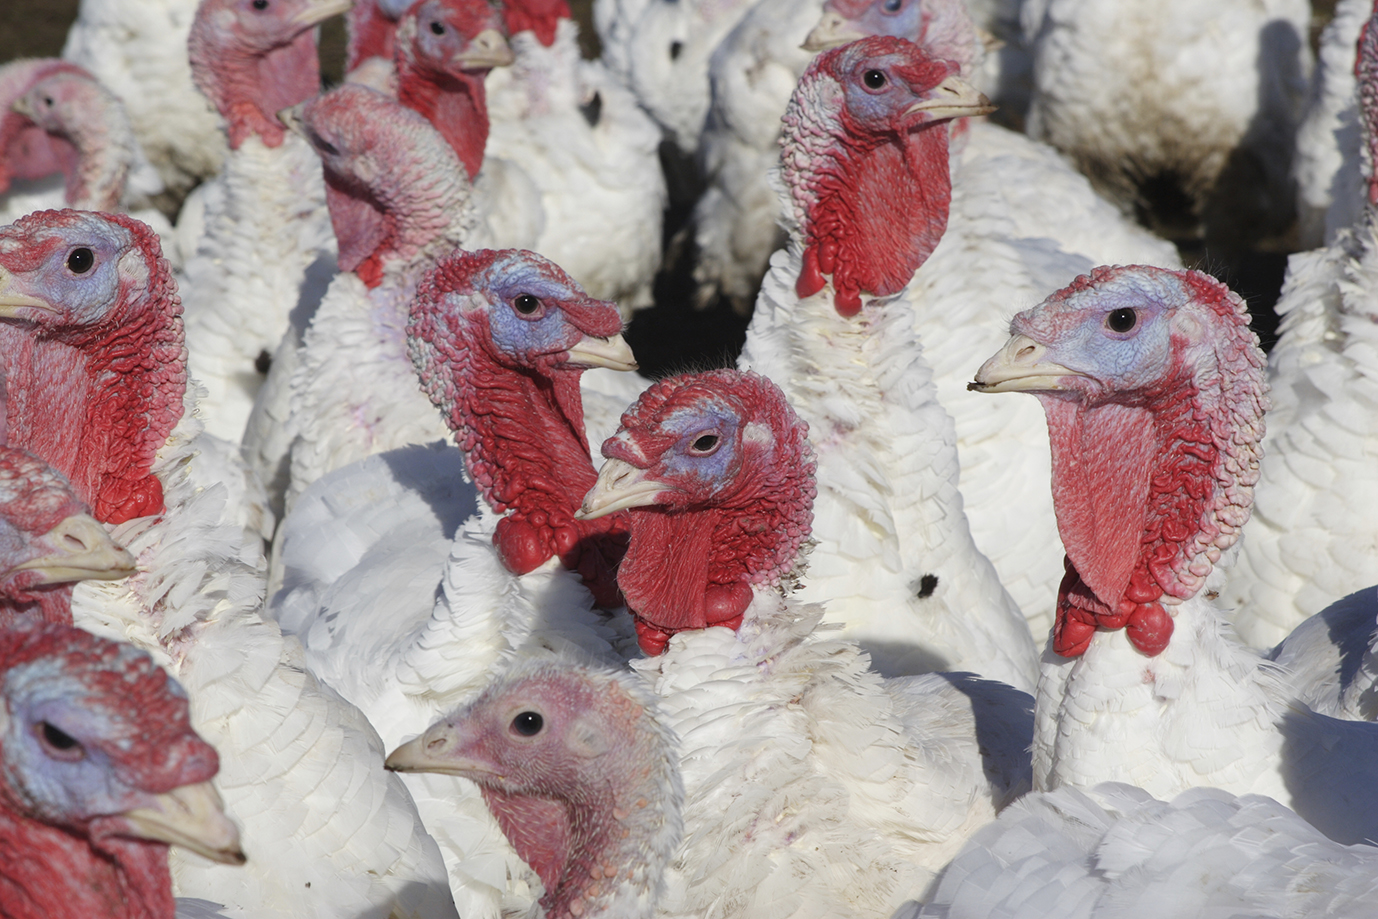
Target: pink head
1153	387
541	17
393	185
253	58
1366	75
99	771
500	340
372	27
47	541
27	151
943	28
91	339
444	50
719	471
865	167
580	775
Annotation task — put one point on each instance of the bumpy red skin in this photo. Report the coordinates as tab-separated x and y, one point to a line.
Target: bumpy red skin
371	34
34	498
1366	74
521	430
1137	484
879	200
88	870
695	566
97	402
542	17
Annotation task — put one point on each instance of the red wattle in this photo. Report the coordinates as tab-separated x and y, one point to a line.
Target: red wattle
1149	628
651	639
810	279
521	546
847	303
724	604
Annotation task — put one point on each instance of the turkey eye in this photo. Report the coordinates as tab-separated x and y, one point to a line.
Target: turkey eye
528	724
1121	320
437	28
48	101
58	742
892	6
526	304
260	4
80	260
705	444
874	79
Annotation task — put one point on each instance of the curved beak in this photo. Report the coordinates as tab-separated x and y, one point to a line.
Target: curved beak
22	106
953	98
832	30
1020	366
434	751
319	11
191	817
613	353
291	119
488	49
620	485
80	550
11	302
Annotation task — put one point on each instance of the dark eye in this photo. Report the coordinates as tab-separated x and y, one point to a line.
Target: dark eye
526	304
321	144
874	79
80	260
892	6
58	743
1121	320
528	724
437	29
259	4
675	48
706	443
48	101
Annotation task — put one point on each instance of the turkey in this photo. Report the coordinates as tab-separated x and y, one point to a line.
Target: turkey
264	251
372	30
1118	89
589	149
1153	387
1114	848
96	385
894	558
399	198
405	606
812	787
1311	539
138	49
49	542
102	771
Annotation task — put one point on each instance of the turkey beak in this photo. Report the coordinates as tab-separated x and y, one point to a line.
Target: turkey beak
319	11
81	550
620	485
291	120
832	30
11	302
191	817
22	106
434	751
488	49
613	353
953	98
1020	367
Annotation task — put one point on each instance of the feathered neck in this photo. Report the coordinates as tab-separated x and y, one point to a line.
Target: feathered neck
870	208
104	142
54	873
248	86
1150	487
522	433
98	402
456	105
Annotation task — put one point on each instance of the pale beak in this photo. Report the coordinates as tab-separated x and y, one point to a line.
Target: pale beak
613	353
433	751
291	119
954	98
620	485
22	106
81	550
319	11
488	48
11	302
1020	367
832	30
191	817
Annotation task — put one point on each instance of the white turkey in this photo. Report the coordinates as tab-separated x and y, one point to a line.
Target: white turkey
96	385
1154	391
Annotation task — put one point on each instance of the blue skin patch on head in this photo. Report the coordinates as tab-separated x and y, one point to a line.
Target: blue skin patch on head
878	106
713	468
547	330
83	285
900	18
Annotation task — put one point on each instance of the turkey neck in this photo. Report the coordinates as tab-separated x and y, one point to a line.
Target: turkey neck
96	404
51	873
371	34
456	106
103	160
871	208
249	87
41	604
